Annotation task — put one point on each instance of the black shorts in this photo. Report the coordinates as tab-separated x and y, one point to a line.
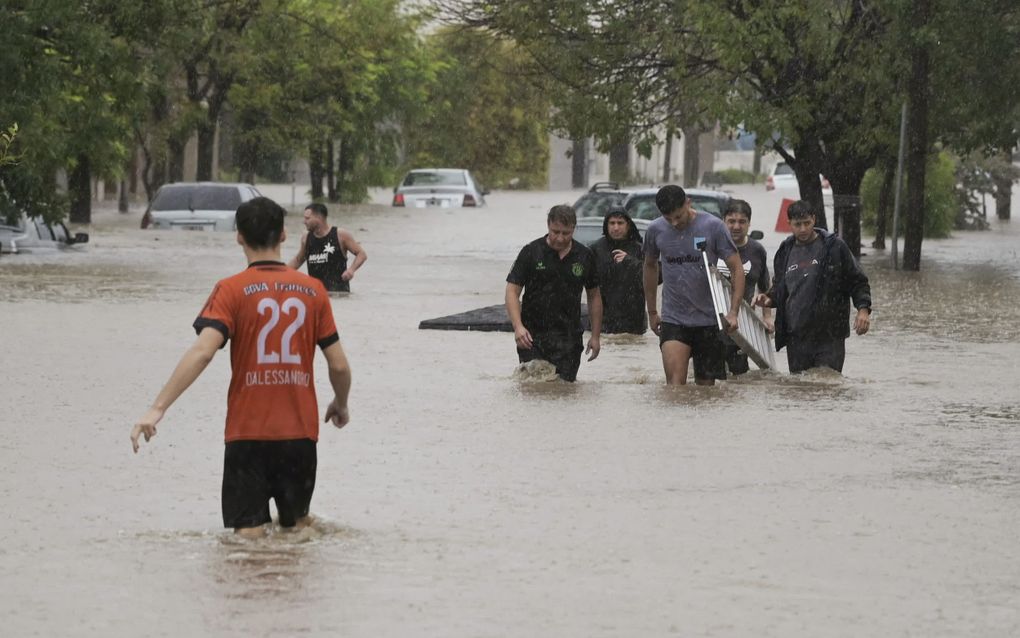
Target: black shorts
707	348
561	350
804	355
256	471
736	359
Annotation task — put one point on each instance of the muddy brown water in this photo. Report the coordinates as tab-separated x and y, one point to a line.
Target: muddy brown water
463	502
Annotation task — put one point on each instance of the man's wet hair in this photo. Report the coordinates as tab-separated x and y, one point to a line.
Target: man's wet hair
738	207
669	198
318	209
260	222
562	214
800	209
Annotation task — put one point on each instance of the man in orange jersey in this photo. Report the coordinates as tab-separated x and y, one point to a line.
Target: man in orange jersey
274	318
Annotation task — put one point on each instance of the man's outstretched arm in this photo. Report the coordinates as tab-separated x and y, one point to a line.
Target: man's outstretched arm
188	369
340	379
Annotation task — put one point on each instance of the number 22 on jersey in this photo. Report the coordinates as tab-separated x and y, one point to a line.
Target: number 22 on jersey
290	306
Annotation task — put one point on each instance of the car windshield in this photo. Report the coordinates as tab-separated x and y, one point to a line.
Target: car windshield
197	198
598	204
643	208
439	178
707	205
782	168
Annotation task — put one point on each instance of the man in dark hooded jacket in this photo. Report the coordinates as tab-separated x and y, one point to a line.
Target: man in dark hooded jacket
815	279
619	258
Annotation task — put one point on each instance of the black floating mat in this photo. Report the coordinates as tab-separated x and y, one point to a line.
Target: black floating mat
487	319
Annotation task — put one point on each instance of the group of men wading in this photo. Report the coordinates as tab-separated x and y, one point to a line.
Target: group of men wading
815	277
275	317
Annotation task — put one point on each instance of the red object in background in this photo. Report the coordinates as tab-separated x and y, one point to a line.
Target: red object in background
398	199
783	222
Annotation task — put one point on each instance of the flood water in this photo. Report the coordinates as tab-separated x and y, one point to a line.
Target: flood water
461	501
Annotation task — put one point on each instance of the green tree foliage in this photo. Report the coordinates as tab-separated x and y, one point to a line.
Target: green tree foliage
72	94
616	71
941	200
483	113
331	75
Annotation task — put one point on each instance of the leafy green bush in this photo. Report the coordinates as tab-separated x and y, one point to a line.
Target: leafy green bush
940	200
736	176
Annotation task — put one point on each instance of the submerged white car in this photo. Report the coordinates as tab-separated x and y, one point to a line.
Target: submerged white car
33	234
197	205
439	188
783	178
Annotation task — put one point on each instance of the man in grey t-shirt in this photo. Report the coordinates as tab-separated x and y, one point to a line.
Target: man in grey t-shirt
688	327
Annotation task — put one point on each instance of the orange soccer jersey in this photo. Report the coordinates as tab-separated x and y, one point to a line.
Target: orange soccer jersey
274	317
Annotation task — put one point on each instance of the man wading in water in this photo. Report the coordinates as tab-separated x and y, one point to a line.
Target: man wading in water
274	318
688	326
552	270
814	280
326	248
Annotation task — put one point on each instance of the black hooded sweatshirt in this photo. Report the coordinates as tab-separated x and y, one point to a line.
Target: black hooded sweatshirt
623	297
840	282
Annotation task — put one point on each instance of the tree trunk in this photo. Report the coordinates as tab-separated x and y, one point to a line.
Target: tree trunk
331	178
133	174
579	164
885	200
619	162
315	170
206	148
807	166
917	142
344	167
206	133
79	186
756	165
122	196
667	162
175	167
692	162
846	205
1004	191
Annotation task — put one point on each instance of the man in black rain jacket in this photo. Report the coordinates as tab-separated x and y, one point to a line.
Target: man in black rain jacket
815	278
619	258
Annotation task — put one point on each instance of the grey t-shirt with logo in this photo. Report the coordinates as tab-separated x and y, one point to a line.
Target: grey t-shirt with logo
686	297
801	279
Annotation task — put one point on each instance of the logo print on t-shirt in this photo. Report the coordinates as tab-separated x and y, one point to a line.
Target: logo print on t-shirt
329	248
577	269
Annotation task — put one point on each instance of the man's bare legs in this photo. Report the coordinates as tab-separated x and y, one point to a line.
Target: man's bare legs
254	533
676	359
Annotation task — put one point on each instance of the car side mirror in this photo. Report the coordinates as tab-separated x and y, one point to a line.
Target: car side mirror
80	238
757	235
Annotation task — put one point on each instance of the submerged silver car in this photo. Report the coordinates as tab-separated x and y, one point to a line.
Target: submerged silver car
197	205
439	188
33	234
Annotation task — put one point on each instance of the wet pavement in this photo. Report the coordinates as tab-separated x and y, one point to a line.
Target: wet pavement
461	501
